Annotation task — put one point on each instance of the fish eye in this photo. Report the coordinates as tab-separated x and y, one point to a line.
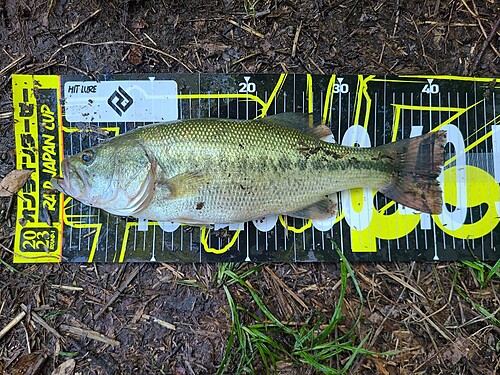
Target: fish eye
87	156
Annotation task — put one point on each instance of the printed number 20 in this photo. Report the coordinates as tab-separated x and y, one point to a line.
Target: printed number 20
247	87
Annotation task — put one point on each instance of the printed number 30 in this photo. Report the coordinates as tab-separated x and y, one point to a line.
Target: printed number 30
340	88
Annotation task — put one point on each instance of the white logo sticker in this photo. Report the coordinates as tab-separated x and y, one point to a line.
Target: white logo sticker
121	101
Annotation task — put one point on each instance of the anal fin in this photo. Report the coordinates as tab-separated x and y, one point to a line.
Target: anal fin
325	208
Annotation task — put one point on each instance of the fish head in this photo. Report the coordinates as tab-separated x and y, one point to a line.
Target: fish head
118	177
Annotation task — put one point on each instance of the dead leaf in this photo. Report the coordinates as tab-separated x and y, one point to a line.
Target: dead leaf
213	48
456	350
135	55
139	24
14	181
30	364
380	366
376	318
65	368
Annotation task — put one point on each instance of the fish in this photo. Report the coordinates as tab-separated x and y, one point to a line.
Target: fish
212	171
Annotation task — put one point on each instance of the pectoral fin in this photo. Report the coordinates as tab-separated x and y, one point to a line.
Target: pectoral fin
186	184
323	209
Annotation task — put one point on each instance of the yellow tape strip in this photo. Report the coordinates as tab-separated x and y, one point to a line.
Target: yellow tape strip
70	221
400	107
307	225
274	93
493	121
362	90
223	96
470	147
126	233
123	249
399	81
454	78
309	90
328	100
204	241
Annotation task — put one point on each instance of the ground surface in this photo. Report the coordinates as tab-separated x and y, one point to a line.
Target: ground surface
430	314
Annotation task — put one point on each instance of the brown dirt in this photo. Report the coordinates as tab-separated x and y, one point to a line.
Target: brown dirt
413	308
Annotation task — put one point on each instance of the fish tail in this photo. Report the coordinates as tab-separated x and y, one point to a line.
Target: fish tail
417	162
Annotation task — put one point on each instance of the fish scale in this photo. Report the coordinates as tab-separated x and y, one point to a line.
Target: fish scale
203	171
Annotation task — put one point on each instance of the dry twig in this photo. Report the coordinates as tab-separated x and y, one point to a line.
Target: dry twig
485	45
248	29
296	40
42	322
12	324
286	288
79	24
80	43
93	335
122	287
159	321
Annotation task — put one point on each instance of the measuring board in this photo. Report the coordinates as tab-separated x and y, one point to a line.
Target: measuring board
62	115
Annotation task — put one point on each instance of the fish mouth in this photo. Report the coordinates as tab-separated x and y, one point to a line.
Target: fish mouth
58	183
72	181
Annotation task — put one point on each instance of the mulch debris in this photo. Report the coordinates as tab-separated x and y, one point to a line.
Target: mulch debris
172	318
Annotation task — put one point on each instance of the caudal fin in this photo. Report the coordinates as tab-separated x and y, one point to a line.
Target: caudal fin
418	162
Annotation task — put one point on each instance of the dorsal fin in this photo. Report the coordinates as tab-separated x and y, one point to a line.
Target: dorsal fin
299	121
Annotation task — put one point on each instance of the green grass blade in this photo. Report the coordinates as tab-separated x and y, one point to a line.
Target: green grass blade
9	267
354	354
494	272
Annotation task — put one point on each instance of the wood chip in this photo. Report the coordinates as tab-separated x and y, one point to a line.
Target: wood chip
158	321
456	350
30	364
93	335
13	182
135	55
65	368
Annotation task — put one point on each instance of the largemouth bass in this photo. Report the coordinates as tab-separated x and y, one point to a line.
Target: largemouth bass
204	171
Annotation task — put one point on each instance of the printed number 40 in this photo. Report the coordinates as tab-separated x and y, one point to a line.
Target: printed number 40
431	88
